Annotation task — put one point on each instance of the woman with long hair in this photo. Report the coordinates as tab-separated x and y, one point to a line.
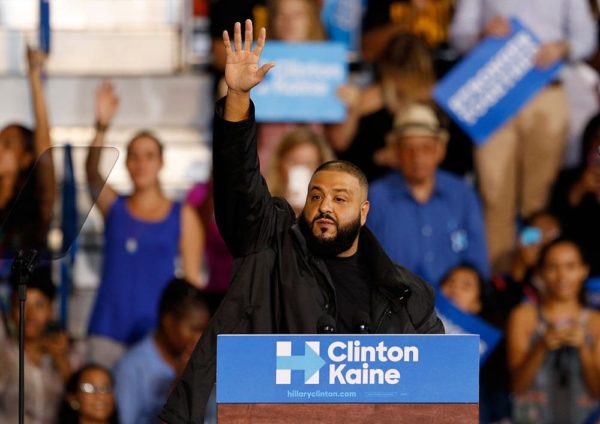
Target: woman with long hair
290	21
554	347
297	156
145	233
405	76
26	193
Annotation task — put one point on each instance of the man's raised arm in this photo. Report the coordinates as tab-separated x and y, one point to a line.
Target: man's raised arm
245	212
241	70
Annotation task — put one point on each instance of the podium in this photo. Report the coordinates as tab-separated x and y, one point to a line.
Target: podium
348	379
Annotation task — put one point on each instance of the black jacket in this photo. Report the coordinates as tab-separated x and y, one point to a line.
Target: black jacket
277	286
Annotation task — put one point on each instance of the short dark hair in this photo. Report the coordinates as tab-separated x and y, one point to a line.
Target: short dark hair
40	279
588	137
348	168
179	297
481	284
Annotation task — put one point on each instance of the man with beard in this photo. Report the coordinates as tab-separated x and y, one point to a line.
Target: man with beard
291	274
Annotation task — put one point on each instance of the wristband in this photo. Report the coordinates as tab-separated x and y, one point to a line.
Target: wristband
100	127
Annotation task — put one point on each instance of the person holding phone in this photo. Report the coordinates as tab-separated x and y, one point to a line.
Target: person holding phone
554	347
521	281
576	196
48	358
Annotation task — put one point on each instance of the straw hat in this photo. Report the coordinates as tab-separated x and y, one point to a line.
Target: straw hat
417	120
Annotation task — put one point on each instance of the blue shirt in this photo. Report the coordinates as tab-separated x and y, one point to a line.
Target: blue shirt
429	238
143	381
139	261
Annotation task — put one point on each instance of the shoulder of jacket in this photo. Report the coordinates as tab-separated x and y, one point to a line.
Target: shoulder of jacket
422	298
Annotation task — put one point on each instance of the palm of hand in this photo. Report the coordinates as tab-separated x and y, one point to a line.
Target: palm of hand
241	70
106	103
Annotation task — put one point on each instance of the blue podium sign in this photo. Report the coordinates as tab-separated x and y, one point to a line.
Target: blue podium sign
303	85
493	82
348	369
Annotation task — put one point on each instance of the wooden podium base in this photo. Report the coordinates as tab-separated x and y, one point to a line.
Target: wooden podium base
379	413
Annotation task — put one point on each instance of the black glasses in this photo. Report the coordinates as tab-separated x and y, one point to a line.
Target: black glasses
92	388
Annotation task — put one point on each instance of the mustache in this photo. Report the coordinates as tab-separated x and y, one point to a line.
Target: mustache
324	216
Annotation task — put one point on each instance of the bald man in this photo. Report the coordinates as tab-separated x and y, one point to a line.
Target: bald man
292	275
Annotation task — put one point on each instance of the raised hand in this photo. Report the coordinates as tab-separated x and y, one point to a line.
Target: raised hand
241	68
107	103
35	59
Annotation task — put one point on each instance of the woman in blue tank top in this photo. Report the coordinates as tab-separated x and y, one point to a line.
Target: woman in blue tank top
554	347
144	234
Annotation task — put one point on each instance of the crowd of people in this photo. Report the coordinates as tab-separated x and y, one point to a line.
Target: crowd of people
504	230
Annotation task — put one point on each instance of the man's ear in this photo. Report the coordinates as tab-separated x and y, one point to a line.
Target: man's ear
478	307
442	149
167	322
585	272
364	211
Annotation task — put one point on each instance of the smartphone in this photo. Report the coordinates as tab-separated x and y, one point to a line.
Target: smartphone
530	236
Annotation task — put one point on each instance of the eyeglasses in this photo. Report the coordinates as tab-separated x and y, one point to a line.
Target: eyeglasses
91	388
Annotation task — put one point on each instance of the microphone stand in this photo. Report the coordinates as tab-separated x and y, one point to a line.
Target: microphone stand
23	265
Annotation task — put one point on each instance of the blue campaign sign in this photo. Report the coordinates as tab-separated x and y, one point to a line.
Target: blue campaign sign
347	369
457	322
302	87
592	289
342	20
493	82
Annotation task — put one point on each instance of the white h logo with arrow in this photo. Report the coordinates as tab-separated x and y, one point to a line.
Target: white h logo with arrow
310	363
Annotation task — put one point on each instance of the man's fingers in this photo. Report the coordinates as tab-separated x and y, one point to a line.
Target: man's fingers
237	36
260	43
263	70
227	42
248	36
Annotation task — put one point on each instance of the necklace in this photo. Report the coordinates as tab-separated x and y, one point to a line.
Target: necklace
131	245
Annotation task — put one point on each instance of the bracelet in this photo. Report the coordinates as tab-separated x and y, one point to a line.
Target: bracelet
100	127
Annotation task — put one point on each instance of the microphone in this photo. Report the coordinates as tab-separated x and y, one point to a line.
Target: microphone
361	323
326	325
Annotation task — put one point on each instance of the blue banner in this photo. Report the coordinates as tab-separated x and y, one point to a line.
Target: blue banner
303	85
457	322
44	29
347	369
592	289
493	82
342	20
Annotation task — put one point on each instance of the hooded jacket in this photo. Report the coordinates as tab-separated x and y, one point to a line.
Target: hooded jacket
277	285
